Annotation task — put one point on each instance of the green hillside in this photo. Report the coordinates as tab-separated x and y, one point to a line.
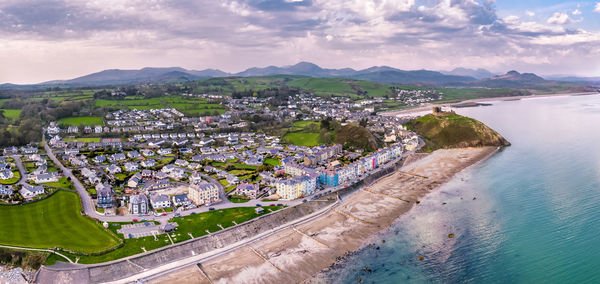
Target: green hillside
450	130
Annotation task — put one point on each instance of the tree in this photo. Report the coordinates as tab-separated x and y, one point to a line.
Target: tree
326	123
363	122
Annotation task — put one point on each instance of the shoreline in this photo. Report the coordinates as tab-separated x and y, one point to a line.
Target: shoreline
427	107
303	252
371	241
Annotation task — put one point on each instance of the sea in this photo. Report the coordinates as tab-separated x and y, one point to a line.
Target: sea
528	214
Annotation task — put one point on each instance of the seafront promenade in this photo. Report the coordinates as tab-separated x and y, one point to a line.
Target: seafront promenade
318	243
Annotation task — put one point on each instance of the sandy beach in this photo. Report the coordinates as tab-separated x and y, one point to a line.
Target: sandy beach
420	110
295	255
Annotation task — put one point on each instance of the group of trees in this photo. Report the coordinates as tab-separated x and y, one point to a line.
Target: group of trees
34	114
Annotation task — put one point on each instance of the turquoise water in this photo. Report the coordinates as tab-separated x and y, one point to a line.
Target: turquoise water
535	217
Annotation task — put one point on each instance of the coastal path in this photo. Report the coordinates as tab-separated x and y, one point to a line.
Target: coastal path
34	249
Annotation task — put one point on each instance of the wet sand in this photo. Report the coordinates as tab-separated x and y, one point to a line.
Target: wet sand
296	254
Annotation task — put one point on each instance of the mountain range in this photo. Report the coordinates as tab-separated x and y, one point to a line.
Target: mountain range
381	74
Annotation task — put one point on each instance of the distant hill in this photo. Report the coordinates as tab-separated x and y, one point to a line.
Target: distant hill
117	76
411	77
450	130
475	73
575	79
302	68
381	74
459	77
513	79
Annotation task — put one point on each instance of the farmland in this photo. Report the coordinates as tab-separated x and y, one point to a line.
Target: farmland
189	106
83	120
11	113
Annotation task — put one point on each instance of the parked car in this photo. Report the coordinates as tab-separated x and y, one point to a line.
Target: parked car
211	209
258	204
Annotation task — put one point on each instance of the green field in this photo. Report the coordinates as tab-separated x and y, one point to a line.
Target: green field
11	113
342	87
83	120
62	183
189	106
272	161
306	123
53	222
84	139
198	223
303	139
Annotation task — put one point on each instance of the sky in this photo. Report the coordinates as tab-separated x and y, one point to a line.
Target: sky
42	40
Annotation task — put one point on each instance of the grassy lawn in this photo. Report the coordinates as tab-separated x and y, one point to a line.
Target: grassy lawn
11	113
63	182
241	172
237	199
85	120
131	247
53	222
195	224
247	167
84	139
121	176
230	188
198	223
303	139
306	123
272	161
13	180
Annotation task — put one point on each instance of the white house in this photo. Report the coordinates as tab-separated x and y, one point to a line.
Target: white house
160	201
29	191
148	163
43	178
6	174
131	166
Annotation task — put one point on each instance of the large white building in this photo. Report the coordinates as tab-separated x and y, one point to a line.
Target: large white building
203	193
296	187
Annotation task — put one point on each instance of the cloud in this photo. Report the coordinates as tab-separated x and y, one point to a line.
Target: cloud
236	34
576	12
559	19
597	8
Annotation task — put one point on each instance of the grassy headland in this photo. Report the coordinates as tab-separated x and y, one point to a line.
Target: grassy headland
450	130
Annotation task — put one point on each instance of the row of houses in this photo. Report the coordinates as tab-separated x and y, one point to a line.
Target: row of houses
305	180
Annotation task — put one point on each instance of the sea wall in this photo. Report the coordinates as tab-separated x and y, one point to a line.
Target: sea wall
129	266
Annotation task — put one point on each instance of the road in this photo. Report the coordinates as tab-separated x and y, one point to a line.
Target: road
90	209
22	170
179	264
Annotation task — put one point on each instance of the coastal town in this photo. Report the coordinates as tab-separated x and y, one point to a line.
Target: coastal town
155	164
